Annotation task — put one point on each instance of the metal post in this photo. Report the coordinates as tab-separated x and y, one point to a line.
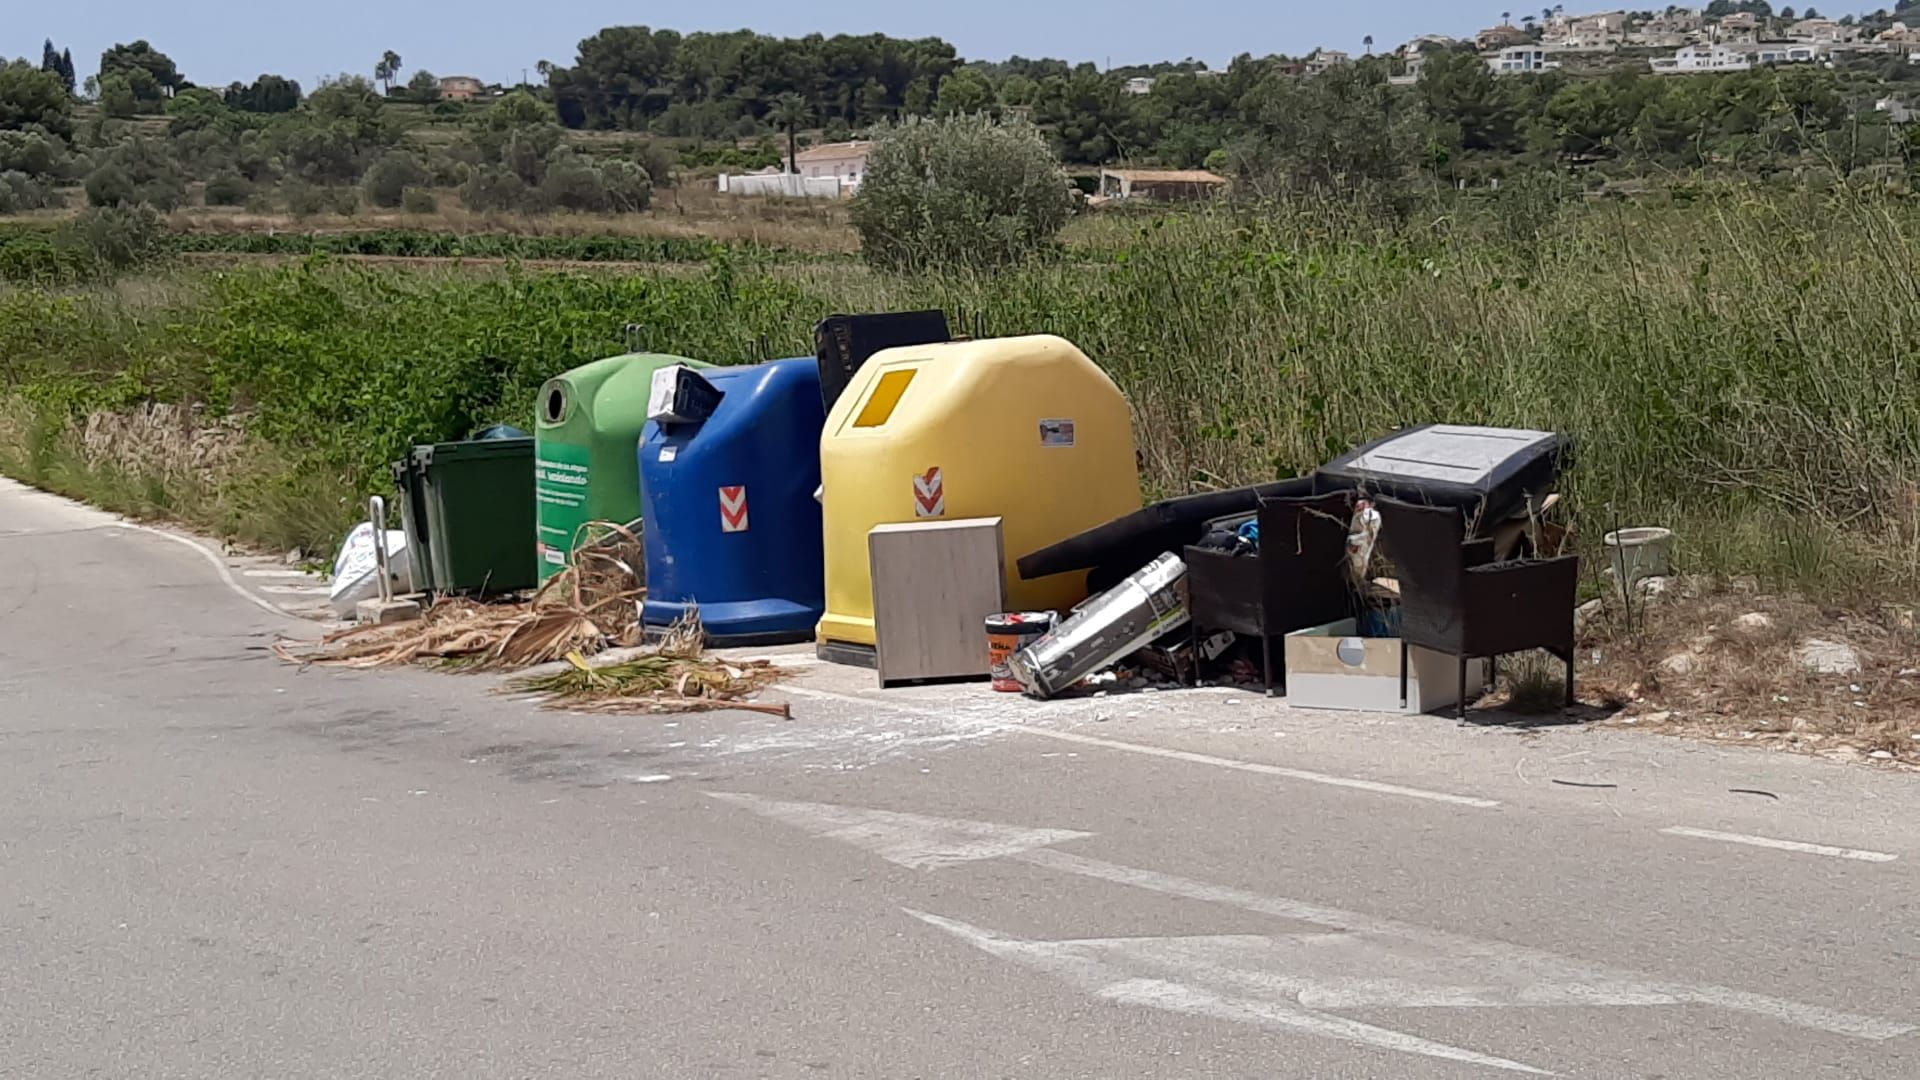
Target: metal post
377	514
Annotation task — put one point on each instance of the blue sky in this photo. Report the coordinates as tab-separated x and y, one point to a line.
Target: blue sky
215	43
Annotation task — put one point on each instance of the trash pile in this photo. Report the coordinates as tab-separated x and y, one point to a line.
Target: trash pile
1390	579
590	607
938	509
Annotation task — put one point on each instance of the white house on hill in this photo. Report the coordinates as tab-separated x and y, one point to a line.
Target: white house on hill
1695	59
1522	60
843	161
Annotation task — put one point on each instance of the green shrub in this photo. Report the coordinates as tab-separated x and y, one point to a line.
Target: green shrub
389	178
573	183
228	189
961	191
39	259
306	200
418	201
658	162
32	153
139	170
19	191
493	188
629	186
109	185
118	237
30	97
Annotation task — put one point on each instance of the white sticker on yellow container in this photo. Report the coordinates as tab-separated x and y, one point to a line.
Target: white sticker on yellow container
1056	433
930	494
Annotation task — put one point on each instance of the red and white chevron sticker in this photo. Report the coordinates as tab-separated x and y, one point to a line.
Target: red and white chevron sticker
930	494
733	509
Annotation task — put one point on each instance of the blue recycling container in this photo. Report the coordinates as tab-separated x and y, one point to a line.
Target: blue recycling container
731	522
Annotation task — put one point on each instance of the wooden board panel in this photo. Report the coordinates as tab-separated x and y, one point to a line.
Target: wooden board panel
934	584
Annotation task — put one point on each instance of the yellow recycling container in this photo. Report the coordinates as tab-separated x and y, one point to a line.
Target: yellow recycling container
1026	429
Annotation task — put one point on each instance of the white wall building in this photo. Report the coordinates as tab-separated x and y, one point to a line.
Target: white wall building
1820	31
1425	42
845	162
775	182
1592	33
1325	60
1695	59
1782	52
1522	60
1139	85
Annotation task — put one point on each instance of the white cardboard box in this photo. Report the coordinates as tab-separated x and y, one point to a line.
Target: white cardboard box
1330	667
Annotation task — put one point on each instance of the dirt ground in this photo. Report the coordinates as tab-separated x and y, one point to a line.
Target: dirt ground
1735	664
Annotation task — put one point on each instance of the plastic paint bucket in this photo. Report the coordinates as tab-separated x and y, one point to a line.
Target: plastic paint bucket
1008	633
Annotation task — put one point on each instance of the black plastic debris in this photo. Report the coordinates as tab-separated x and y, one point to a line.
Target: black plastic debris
1115	550
844	342
1484	472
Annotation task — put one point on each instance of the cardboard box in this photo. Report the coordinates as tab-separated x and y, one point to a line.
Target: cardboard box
1329	667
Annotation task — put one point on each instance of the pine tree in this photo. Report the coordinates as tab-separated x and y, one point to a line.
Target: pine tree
57	62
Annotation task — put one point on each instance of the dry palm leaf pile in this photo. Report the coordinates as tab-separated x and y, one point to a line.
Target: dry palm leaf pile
592	605
675	675
588	608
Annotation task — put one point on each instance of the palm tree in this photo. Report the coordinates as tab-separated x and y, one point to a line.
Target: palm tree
1506	18
387	69
1368	42
789	112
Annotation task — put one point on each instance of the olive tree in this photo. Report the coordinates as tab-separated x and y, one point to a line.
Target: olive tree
963	190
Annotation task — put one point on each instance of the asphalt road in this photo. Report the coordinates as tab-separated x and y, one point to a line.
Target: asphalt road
213	864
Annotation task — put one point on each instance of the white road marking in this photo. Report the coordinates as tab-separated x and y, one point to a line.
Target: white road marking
1601	984
907	839
219	564
297	590
1350	782
1781	845
1216	982
1353	961
275	573
97	520
1264	769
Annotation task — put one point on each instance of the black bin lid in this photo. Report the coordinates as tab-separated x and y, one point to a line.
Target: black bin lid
1484	471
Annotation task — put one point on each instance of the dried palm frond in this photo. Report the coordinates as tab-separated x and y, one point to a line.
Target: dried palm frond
675	676
590	606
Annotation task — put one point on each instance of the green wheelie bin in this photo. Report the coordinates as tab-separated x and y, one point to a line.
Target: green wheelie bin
477	500
587	424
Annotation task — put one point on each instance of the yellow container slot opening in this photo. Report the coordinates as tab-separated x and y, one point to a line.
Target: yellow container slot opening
885	397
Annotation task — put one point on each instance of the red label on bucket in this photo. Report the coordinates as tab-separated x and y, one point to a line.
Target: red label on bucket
1008	633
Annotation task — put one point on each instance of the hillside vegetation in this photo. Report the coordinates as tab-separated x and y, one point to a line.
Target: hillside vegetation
1737	366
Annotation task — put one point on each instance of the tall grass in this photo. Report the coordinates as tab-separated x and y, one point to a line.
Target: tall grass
1736	367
